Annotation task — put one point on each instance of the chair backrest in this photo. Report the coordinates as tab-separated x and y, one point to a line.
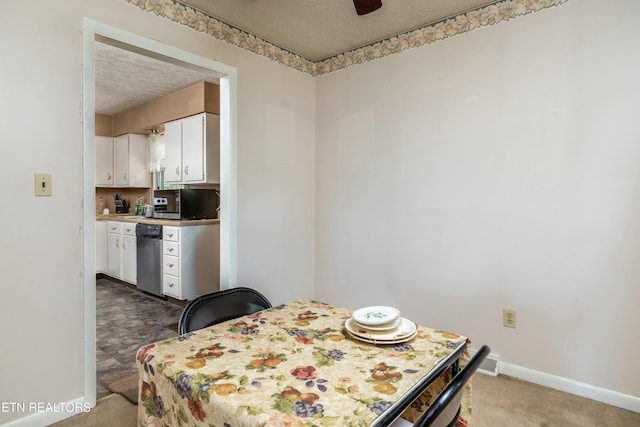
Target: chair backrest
219	306
445	409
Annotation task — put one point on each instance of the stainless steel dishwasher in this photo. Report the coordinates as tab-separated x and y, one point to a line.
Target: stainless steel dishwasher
149	253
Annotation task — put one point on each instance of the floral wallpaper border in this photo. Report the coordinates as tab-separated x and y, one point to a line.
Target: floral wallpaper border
464	23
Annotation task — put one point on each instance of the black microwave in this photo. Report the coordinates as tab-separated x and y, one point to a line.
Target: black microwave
192	203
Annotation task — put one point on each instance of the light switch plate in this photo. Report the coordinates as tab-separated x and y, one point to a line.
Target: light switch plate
42	184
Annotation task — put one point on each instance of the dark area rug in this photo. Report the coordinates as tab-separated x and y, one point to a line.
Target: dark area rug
126	386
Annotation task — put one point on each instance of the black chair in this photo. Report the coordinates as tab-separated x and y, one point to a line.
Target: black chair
445	409
219	306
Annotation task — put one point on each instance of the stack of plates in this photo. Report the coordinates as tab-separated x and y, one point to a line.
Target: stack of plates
380	325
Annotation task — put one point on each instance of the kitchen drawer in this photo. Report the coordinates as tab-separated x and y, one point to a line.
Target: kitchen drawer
171	234
128	228
171	248
171	285
171	265
114	227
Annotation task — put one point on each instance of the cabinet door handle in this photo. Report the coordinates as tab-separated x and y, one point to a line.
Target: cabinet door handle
186	170
124	176
117	243
108	176
124	244
171	285
113	228
178	170
170	234
170	265
170	249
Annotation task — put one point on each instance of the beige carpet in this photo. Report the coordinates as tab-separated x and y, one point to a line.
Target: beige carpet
497	402
506	401
111	411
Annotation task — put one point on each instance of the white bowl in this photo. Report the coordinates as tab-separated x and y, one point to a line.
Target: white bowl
376	315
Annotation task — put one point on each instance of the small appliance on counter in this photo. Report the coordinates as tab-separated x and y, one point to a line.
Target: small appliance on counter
193	203
147	211
159	205
121	204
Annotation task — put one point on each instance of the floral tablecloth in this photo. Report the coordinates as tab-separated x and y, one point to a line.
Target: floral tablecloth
291	365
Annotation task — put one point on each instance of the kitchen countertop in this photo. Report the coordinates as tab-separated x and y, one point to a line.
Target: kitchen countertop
143	220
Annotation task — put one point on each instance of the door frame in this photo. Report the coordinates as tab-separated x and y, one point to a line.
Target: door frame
93	30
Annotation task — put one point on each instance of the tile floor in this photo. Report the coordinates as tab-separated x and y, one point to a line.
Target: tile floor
127	319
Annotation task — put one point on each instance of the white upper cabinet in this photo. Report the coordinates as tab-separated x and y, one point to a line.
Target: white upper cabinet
104	161
192	150
139	174
122	161
121	156
173	151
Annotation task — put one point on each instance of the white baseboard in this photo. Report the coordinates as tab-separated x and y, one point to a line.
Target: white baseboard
603	395
50	414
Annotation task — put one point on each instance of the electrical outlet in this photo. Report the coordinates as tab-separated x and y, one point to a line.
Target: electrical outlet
509	318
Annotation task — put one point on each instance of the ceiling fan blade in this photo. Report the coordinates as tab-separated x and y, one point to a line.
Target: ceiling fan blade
366	6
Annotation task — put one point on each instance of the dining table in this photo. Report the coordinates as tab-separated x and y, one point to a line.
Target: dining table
295	364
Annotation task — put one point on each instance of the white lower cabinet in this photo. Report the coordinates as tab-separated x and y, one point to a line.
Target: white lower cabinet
114	249
121	251
101	247
190	260
190	256
129	258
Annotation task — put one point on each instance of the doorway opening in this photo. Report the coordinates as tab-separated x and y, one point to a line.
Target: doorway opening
227	77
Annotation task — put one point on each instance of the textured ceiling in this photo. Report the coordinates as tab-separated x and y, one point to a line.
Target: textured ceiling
319	29
125	79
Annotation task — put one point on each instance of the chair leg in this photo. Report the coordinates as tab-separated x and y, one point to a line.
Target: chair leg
454	421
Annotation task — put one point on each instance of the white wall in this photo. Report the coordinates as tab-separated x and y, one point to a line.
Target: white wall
41	131
500	168
496	169
276	132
